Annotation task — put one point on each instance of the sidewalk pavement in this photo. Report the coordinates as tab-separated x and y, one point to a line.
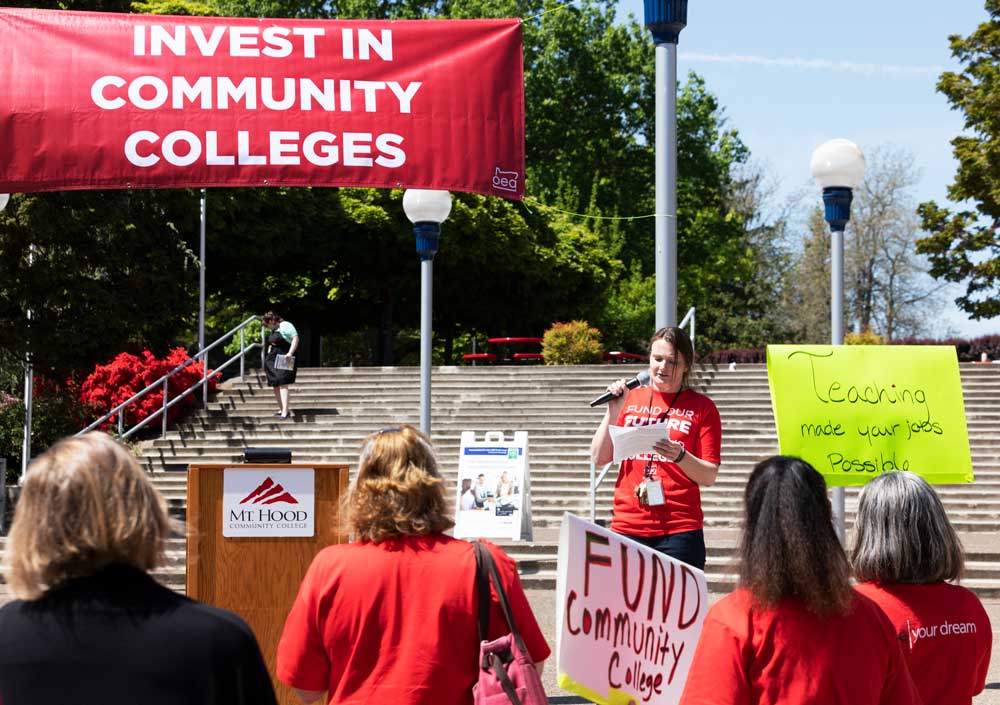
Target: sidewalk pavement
543	604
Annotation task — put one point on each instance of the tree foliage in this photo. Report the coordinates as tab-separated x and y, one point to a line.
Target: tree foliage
886	288
807	297
116	271
963	245
89	274
888	292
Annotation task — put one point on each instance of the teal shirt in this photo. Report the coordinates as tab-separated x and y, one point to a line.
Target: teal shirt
287	330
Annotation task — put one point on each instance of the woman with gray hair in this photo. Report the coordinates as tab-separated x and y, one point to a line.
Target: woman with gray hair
794	632
905	551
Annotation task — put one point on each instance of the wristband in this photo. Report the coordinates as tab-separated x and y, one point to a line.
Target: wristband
681	456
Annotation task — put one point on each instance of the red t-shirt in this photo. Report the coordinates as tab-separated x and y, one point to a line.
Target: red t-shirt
749	655
396	622
945	634
692	419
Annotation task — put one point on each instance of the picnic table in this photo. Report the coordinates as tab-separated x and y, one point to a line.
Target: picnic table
506	350
619	356
505	347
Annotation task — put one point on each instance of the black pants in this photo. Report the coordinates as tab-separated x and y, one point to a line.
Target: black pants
687	546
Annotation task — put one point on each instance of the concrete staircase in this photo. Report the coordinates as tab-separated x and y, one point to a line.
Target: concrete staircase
337	407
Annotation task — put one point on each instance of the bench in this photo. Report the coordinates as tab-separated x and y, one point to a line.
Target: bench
480	357
505	348
618	356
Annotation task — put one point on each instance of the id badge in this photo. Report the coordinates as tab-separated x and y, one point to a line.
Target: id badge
654	493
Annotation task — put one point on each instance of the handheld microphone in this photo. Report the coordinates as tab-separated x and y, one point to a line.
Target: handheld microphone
640	380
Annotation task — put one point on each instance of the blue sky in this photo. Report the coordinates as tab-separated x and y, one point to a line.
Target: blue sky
792	74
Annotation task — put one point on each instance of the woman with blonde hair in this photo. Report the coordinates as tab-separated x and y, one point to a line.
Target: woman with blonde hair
392	617
794	631
905	552
92	626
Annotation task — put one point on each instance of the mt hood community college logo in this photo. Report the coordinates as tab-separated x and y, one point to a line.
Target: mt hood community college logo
268	502
269	492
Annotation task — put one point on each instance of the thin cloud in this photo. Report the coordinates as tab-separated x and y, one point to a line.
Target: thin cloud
816	64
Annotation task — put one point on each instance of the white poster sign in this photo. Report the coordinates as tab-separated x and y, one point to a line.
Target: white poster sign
493	497
628	618
268	502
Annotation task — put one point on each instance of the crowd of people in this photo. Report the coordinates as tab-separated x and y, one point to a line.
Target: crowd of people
395	615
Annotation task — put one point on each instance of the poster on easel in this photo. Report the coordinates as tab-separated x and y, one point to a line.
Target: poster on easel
493	495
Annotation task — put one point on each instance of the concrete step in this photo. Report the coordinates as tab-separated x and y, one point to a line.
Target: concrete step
338	407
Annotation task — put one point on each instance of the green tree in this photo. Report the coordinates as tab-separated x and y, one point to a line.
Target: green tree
888	290
89	274
806	300
342	260
963	245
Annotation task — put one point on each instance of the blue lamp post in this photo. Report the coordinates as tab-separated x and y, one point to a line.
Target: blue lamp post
838	167
426	209
665	19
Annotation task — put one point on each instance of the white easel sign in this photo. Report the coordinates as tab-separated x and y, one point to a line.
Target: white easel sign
628	618
493	496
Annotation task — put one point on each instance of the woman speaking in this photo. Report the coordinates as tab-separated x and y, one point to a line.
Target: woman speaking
658	495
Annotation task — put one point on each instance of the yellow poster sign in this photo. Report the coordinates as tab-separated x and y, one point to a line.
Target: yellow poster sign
854	411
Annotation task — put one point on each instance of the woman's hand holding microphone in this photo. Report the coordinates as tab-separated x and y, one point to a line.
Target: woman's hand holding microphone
618	389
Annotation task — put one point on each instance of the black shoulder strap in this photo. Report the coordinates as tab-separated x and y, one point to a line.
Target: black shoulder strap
497	666
483	556
482	590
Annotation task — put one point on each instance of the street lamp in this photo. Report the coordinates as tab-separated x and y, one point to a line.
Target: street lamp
426	209
665	19
838	167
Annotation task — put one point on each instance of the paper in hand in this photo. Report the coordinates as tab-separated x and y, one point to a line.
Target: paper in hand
636	440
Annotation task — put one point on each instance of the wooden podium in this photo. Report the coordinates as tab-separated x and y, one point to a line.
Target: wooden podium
256	577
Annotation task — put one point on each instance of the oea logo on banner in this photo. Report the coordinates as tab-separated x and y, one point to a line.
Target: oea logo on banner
505	180
627	618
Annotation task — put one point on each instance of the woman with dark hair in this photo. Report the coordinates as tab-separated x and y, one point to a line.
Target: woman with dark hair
279	359
92	626
466	498
904	551
658	495
393	616
795	631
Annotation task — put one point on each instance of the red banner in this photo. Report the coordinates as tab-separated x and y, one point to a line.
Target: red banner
96	100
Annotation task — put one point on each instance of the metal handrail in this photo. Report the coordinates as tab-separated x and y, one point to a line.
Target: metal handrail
689	316
164	382
595	482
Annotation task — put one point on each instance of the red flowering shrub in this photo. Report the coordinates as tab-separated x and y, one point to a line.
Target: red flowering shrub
111	384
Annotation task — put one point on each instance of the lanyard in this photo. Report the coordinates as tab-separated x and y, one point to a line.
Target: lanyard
649	471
